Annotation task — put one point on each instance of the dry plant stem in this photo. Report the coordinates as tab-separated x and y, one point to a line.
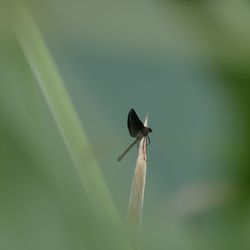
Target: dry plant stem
135	208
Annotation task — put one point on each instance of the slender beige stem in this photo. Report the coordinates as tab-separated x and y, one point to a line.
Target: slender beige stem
135	208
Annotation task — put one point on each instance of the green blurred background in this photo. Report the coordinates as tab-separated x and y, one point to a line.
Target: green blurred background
186	64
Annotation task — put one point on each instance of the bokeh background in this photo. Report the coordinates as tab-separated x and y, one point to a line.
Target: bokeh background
185	64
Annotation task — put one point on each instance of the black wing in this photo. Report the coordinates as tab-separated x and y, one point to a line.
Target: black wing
134	123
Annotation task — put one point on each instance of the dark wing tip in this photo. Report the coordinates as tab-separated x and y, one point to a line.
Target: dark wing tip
131	113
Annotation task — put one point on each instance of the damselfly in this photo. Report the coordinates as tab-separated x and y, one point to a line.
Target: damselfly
136	129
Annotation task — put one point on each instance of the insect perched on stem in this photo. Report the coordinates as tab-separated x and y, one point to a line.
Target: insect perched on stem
136	129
